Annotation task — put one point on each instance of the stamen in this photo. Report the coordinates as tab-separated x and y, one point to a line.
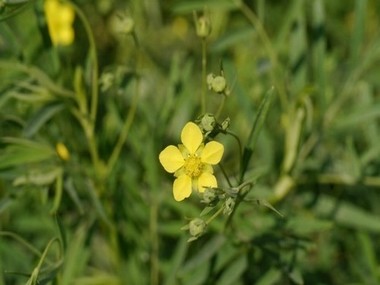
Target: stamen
193	166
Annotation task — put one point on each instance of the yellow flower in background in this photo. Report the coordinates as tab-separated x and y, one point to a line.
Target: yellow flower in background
191	162
62	151
60	18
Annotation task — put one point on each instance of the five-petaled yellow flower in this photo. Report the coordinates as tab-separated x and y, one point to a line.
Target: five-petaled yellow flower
60	18
191	162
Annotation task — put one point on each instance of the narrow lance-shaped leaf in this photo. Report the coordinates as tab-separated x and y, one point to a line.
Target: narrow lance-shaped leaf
41	117
254	134
10	8
21	151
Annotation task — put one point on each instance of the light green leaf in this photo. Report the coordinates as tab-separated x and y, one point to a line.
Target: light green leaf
22	151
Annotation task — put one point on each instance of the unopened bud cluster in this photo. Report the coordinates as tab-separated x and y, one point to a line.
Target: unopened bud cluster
218	84
210	196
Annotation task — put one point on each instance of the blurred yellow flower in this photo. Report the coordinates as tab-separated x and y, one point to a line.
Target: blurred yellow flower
191	162
60	18
62	151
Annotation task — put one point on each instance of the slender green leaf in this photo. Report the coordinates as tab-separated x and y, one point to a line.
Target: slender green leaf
21	151
271	277
75	257
41	117
232	38
10	8
233	273
348	215
177	260
204	254
256	128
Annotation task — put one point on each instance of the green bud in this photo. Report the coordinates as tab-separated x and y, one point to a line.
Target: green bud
106	81
129	25
207	123
225	124
209	196
197	227
203	26
122	24
210	79
229	206
219	84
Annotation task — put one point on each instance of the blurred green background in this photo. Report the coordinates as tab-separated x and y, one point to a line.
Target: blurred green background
104	213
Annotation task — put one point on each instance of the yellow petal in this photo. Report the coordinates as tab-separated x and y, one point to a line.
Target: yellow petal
212	153
60	18
191	137
171	159
206	180
66	14
66	36
182	187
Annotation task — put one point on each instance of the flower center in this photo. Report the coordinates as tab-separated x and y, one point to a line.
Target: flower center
193	166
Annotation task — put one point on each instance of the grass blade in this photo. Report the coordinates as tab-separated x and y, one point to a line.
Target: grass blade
254	134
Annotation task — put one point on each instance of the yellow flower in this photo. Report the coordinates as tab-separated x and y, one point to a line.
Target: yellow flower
62	151
60	18
191	162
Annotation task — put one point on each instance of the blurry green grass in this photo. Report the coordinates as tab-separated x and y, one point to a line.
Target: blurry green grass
316	158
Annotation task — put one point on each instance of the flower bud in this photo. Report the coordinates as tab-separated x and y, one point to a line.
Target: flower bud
210	79
209	196
62	151
129	25
207	123
229	206
106	81
122	24
219	84
225	124
202	26
197	227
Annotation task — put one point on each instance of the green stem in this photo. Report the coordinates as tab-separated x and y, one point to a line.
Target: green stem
237	140
124	132
217	213
225	174
23	242
221	105
44	254
240	197
88	120
204	76
91	141
95	65
239	145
